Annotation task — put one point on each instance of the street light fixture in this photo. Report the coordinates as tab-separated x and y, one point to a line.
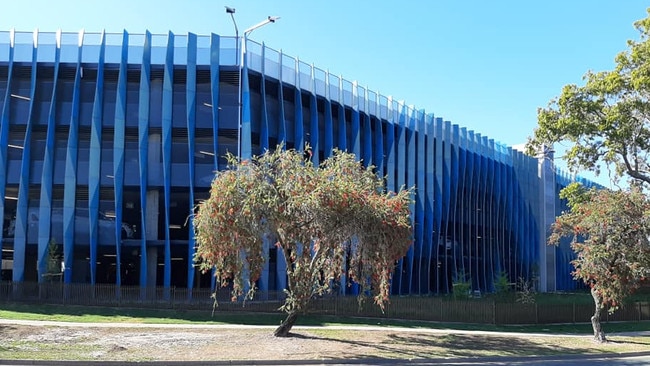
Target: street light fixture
240	60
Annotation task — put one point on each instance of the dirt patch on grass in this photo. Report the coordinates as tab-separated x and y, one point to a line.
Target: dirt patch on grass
183	344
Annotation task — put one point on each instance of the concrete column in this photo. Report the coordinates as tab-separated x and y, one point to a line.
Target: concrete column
152	266
153	204
547	196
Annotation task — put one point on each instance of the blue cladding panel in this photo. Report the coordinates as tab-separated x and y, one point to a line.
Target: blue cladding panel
214	88
143	151
20	236
299	135
70	186
282	132
329	127
95	162
45	209
264	128
246	131
118	152
314	133
4	136
342	136
190	92
167	152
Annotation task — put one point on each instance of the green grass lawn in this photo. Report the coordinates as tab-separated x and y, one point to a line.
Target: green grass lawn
89	314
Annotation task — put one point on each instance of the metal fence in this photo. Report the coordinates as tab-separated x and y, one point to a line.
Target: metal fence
427	308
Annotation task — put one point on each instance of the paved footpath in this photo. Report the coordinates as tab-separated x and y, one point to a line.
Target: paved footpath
638	358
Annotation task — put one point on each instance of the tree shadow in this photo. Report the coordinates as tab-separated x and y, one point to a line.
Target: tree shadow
423	346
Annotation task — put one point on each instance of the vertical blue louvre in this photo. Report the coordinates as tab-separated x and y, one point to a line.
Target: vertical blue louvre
246	151
70	178
400	138
411	181
299	135
167	93
45	210
282	132
378	159
355	124
422	279
118	152
462	201
264	128
329	123
95	162
4	131
342	137
190	98
490	212
313	123
214	90
437	209
447	228
367	140
143	146
20	236
457	210
430	233
390	152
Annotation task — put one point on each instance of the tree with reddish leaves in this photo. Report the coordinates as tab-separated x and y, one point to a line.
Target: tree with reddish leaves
609	231
326	221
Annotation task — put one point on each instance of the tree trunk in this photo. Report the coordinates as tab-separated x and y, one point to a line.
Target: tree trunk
287	324
599	335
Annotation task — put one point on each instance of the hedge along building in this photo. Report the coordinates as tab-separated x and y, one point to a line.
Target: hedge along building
107	141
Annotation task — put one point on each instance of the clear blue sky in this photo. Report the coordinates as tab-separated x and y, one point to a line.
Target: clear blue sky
485	65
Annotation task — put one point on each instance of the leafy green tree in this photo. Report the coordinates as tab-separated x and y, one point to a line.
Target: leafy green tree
326	221
609	231
607	120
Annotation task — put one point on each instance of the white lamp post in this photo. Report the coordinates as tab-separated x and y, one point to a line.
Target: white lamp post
240	61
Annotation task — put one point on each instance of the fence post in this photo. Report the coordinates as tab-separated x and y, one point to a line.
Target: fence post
494	312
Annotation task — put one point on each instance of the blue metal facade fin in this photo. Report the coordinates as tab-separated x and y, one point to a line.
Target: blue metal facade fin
4	130
299	135
441	261
22	220
246	149
470	243
215	41
342	138
70	178
431	236
367	140
355	124
167	99
411	180
264	128
118	152
314	130
45	202
95	162
190	97
282	129
379	153
328	131
422	285
456	193
143	150
401	163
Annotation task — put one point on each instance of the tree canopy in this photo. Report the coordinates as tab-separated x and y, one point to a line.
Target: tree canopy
326	221
610	235
607	120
